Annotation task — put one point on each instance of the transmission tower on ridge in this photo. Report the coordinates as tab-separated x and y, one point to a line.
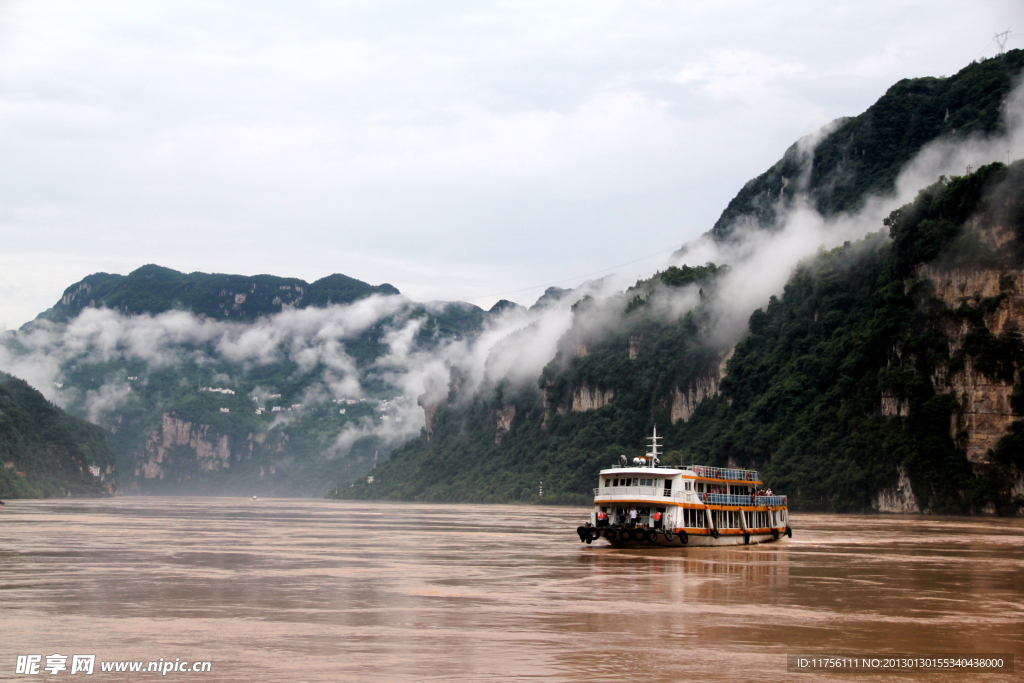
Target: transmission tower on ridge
1001	39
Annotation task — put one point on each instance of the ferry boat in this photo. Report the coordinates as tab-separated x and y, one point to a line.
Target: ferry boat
647	504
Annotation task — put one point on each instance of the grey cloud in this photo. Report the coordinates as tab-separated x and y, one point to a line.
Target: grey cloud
408	143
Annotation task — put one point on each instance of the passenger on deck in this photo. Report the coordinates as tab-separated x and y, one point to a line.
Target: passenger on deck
602	518
632	517
656	518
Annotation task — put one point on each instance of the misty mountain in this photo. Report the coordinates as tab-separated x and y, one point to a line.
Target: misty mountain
44	452
883	376
837	167
236	384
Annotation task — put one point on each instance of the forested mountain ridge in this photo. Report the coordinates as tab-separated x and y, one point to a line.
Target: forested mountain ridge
155	289
44	452
864	154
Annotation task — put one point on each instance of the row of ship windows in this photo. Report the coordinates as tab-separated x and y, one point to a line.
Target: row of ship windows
637	481
730	519
724	519
641	481
699	487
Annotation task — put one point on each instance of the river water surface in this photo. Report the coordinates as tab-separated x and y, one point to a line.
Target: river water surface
312	590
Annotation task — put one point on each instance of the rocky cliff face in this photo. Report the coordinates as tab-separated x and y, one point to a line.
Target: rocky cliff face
898	499
211	451
430	402
985	411
634	345
503	422
586	397
435	396
178	450
985	414
981	312
685	401
71	296
895	406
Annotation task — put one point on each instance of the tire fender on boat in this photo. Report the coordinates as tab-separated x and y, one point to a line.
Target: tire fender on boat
746	538
637	535
652	536
683	537
789	532
714	533
669	536
775	534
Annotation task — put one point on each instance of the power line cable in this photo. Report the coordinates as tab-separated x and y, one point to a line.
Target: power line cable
26	266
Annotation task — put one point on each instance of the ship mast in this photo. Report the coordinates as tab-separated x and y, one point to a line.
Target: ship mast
655	451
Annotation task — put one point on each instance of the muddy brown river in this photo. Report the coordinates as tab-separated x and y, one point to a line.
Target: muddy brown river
312	590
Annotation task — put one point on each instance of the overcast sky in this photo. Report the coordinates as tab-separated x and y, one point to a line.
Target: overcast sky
458	150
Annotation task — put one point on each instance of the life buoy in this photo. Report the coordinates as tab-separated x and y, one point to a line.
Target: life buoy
684	538
652	536
789	532
775	534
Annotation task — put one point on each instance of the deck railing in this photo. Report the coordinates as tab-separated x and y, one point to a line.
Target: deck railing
730	473
728	499
723	473
708	498
628	491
